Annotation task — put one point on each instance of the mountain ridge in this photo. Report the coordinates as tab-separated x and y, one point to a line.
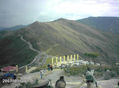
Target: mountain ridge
66	27
64	37
12	28
109	24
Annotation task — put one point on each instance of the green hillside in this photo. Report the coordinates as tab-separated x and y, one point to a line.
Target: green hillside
59	37
63	37
110	24
13	50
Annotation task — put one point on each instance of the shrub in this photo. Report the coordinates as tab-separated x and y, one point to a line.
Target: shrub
107	77
79	70
99	70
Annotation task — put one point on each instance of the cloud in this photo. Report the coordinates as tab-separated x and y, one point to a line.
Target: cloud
74	9
14	12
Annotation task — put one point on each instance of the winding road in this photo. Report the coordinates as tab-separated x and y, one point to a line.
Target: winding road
72	81
38	57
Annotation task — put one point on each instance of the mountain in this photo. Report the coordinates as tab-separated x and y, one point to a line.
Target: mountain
63	37
13	50
58	38
102	23
13	28
1	28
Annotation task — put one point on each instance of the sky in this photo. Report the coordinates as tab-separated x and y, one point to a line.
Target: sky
23	12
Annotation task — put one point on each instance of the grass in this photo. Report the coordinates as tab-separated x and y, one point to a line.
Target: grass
14	51
48	61
99	71
58	38
102	23
61	38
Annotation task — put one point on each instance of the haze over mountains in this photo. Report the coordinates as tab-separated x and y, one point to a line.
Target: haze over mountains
110	24
59	37
13	28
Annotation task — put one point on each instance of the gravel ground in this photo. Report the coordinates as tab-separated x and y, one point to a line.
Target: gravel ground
72	81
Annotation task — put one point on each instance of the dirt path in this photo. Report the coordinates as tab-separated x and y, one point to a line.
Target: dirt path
108	83
72	81
29	44
38	57
75	81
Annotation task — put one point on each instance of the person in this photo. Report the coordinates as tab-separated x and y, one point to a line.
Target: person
48	67
90	79
60	83
51	68
117	85
6	75
41	74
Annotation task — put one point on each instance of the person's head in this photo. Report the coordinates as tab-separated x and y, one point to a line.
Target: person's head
118	83
61	77
88	69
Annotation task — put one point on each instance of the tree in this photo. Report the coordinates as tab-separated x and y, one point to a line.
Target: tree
91	55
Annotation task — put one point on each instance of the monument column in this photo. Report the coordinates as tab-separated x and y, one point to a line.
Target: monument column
16	68
77	57
71	57
56	60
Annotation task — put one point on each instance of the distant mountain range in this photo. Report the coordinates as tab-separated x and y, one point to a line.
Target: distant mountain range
1	28
58	38
110	24
13	28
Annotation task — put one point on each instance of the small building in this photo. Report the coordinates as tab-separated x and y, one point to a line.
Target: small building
97	64
8	68
117	64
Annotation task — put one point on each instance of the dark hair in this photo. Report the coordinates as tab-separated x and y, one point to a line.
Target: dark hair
88	69
118	83
61	77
